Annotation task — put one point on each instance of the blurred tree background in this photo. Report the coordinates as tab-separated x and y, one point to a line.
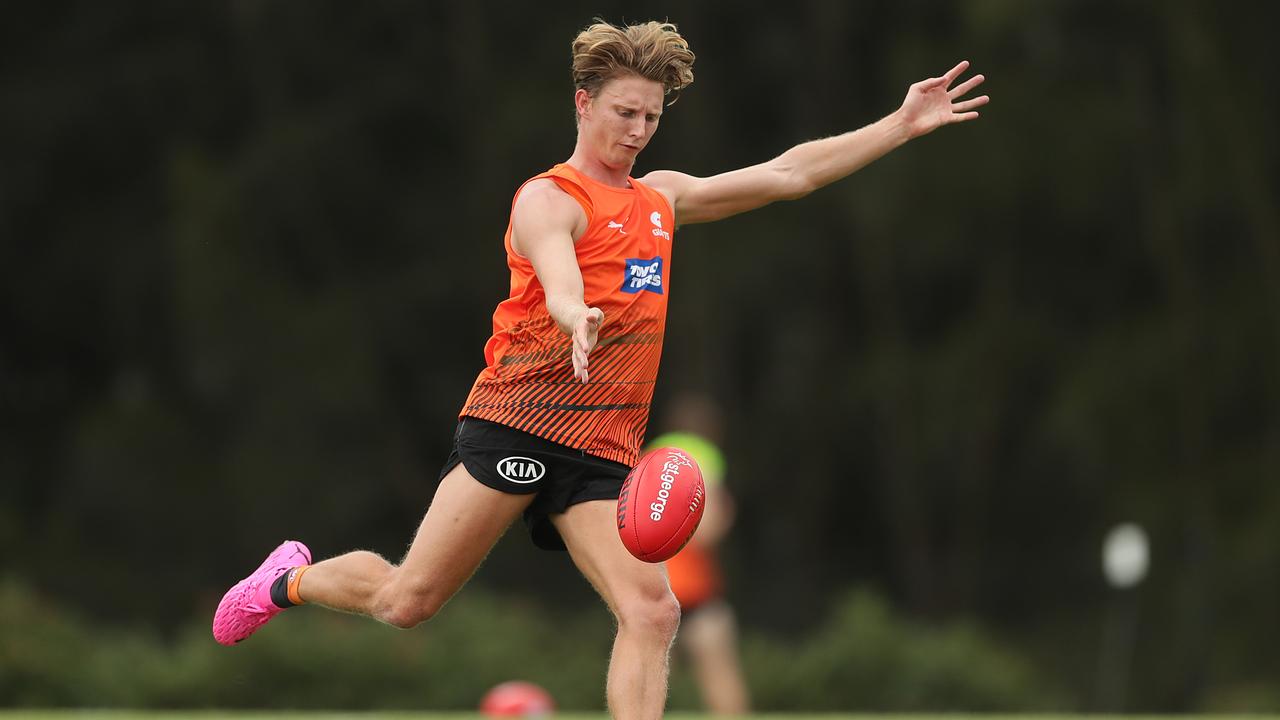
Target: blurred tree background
249	251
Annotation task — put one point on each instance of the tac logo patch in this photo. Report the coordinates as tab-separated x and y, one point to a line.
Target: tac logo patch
643	274
521	470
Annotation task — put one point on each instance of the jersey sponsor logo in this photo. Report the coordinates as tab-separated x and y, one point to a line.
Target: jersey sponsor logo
656	219
641	274
615	225
521	470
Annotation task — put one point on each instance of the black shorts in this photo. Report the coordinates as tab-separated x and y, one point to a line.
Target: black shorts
518	463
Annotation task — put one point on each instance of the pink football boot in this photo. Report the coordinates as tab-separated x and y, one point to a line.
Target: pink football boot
247	605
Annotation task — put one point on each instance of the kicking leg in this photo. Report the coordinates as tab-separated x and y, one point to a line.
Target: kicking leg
464	521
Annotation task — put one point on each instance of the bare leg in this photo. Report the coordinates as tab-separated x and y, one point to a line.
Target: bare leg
710	635
464	521
641	600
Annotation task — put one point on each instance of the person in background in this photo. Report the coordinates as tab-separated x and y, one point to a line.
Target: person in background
708	628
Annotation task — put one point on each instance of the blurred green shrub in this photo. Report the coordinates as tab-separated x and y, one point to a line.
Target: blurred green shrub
863	658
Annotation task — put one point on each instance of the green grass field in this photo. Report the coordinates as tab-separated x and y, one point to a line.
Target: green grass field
251	715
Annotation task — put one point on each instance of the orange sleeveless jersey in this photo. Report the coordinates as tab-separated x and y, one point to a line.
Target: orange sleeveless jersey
528	381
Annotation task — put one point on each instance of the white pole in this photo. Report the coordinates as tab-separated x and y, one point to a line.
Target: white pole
1125	559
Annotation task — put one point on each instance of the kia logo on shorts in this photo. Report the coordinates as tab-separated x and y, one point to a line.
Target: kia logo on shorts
521	470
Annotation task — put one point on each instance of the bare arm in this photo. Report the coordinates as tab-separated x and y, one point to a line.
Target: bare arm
929	104
543	224
717	518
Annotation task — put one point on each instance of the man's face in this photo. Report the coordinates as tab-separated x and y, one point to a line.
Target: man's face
619	121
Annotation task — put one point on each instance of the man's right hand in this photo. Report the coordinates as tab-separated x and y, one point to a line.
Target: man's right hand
586	331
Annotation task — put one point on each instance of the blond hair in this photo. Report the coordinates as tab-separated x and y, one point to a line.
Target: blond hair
653	50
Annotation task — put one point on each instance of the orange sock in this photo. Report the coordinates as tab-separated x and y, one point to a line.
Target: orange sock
295	580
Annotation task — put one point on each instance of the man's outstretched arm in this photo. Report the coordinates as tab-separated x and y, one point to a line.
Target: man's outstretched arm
929	104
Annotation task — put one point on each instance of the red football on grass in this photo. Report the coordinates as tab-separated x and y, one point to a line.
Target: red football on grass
661	504
517	698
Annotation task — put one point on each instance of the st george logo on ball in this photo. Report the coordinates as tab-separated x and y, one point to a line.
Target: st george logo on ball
661	504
